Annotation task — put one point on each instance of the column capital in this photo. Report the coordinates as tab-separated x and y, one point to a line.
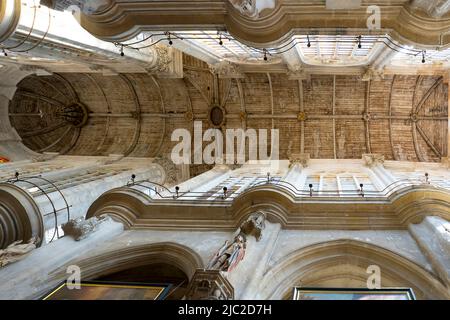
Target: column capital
299	158
167	62
372	74
373	159
227	70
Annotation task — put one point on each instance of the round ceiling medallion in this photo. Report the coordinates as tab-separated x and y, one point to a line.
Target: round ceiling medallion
216	116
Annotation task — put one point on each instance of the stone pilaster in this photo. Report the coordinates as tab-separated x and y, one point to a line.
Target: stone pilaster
376	163
433	238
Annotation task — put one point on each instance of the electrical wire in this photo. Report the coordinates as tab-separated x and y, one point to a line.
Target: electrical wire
27	36
40	40
291	44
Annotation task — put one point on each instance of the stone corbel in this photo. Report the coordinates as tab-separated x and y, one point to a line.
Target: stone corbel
254	225
300	158
80	228
209	285
167	62
373	159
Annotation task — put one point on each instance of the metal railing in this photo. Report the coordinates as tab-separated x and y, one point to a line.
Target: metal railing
17	180
157	191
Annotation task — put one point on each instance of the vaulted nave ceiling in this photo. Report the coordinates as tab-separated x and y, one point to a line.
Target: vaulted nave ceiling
327	116
339	91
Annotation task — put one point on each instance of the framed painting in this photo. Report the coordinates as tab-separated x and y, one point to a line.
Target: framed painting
3	160
91	290
305	293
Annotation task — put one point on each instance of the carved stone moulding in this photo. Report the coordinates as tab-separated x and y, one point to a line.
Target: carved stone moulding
242	18
209	285
20	217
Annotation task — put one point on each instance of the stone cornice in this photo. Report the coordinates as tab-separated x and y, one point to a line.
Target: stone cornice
402	207
126	19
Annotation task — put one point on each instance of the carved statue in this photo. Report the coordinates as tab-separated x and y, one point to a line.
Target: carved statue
17	251
254	225
80	228
229	255
252	8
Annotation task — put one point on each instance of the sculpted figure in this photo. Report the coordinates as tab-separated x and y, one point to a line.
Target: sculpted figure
229	255
17	251
80	228
254	225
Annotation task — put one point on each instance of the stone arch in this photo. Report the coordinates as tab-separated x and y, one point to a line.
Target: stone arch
308	266
119	259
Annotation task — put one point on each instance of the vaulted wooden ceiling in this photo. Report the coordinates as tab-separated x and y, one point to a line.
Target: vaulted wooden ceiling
401	117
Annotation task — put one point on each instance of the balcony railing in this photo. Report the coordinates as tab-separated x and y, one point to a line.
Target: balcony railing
159	192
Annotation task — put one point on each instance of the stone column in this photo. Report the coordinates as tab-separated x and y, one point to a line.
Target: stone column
10	14
20	217
433	238
79	183
81	195
296	175
376	163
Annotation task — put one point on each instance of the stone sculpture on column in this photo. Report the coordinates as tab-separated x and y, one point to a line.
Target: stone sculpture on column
230	254
17	251
80	228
